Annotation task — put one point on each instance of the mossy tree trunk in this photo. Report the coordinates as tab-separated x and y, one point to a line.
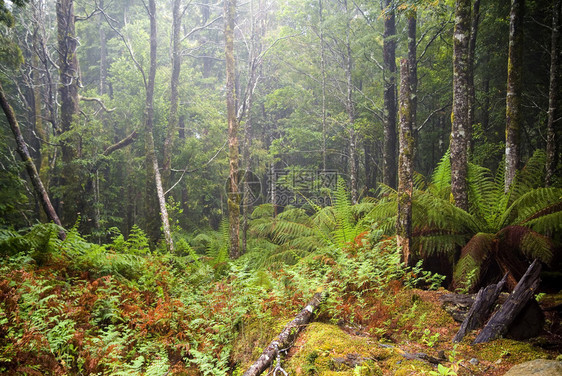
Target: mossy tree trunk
553	96
71	202
174	81
233	191
389	60
405	164
350	108
460	125
471	57
28	161
513	98
413	64
153	172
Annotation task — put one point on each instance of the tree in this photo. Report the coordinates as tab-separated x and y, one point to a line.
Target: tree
553	95
459	133
153	172
21	147
513	96
405	164
233	191
389	57
69	72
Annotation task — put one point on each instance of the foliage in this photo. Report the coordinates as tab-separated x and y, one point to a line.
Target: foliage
517	224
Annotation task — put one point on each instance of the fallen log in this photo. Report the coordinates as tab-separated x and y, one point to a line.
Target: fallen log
286	337
480	309
524	291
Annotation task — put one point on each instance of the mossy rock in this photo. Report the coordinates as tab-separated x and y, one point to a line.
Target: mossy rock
325	349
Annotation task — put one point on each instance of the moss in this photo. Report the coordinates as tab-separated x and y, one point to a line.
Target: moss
325	349
510	350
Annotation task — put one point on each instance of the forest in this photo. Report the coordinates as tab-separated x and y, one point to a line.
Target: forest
297	187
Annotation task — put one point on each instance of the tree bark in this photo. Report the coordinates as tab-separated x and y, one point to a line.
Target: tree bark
350	108
389	59
553	96
233	193
323	73
523	292
71	202
471	58
28	161
480	309
286	337
173	114
513	97
405	165
153	171
413	64
459	133
103	53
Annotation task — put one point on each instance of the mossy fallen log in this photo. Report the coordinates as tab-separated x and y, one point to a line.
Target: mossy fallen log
286	337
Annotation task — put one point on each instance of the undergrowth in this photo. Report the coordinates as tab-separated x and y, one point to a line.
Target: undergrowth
72	307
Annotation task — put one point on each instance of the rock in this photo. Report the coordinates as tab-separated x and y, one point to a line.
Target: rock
473	361
538	367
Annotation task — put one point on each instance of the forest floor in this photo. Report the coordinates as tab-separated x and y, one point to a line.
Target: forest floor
408	345
76	308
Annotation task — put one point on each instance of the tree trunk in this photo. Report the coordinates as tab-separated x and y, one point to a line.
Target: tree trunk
173	115
353	162
389	57
286	337
518	299
413	64
69	109
553	96
405	165
471	54
28	161
233	194
103	53
151	161
513	98
323	73
459	133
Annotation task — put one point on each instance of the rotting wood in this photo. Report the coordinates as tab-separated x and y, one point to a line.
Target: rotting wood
287	335
523	292
480	309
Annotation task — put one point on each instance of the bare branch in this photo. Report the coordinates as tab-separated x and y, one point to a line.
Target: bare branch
98	100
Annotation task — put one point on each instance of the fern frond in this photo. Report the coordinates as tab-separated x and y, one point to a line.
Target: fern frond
526	241
532	206
467	272
441	177
531	175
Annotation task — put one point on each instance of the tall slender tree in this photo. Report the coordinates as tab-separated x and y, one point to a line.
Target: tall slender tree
174	97
459	133
405	164
471	58
513	114
389	59
553	95
69	72
153	173
233	190
350	108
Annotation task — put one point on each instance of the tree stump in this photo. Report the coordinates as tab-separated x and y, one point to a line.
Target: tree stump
523	292
481	308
